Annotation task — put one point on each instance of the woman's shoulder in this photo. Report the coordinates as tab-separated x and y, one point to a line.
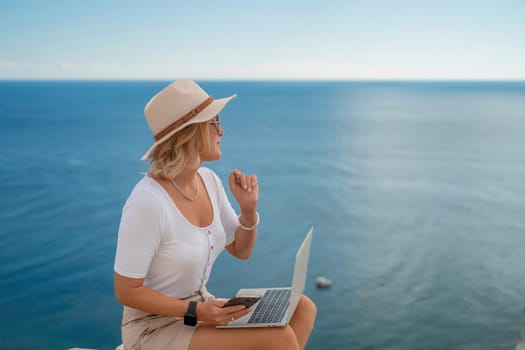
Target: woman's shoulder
147	190
147	184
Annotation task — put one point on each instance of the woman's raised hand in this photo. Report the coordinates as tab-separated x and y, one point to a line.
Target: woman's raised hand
245	189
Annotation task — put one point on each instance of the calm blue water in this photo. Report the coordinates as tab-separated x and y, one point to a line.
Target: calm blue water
416	190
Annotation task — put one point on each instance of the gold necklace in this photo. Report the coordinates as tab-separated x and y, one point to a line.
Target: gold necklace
191	199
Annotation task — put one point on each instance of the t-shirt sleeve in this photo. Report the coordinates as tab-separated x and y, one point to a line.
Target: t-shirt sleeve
229	219
139	234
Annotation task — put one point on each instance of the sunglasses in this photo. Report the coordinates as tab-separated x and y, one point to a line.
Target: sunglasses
216	121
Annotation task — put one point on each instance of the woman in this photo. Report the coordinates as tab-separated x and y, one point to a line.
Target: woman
175	223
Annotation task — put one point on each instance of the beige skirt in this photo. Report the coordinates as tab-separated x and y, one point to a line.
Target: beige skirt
143	331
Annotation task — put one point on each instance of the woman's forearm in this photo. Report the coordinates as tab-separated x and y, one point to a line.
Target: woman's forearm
148	300
245	239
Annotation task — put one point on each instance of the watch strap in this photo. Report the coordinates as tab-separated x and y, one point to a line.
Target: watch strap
190	318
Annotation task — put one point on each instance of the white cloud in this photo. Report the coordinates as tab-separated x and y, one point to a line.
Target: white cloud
301	70
7	64
297	70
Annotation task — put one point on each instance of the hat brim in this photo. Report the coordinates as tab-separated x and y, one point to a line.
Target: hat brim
207	113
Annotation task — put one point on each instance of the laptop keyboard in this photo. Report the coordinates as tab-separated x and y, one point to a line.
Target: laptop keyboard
271	307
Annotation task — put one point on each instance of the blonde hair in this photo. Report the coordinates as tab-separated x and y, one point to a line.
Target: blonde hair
179	151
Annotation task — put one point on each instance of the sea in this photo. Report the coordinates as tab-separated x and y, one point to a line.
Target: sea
416	191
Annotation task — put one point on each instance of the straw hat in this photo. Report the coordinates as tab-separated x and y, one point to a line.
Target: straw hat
178	105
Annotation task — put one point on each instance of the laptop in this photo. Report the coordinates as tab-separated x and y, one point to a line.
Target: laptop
277	305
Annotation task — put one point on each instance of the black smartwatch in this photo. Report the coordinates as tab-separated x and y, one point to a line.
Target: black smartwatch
190	317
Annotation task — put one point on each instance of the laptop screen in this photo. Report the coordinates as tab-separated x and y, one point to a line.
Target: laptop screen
300	270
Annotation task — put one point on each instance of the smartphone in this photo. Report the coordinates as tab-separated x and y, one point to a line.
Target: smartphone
246	301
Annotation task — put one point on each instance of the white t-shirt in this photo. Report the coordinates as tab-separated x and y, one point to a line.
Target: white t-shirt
157	243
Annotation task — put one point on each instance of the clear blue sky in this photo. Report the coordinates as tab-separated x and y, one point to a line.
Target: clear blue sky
266	39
